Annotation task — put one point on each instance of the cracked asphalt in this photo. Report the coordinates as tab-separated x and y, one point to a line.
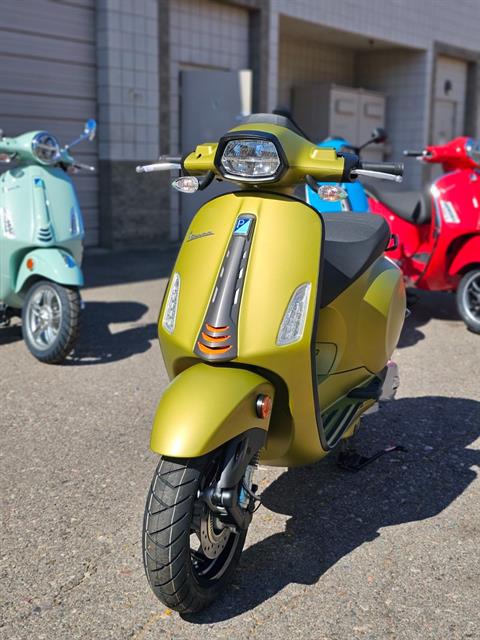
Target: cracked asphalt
390	552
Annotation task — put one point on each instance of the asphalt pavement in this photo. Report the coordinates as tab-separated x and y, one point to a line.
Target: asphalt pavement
391	552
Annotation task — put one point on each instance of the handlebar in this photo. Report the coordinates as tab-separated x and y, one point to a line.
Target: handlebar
394	168
173	159
413	154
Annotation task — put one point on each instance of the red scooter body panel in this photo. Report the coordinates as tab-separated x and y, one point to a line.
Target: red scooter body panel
434	255
468	254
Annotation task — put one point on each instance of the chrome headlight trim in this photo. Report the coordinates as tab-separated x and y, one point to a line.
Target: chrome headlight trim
45	148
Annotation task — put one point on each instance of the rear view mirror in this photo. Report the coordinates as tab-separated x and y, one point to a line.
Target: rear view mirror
90	129
379	135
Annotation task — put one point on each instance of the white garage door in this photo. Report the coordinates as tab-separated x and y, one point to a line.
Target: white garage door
48	80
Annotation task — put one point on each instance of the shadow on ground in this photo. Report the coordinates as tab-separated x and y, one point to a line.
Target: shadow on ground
99	344
428	306
103	269
10	334
332	512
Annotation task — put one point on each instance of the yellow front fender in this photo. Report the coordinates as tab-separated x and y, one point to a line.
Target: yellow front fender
206	406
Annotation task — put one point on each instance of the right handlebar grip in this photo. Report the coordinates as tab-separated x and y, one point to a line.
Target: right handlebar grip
395	168
412	154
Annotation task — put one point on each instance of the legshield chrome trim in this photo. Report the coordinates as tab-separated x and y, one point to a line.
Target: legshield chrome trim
218	336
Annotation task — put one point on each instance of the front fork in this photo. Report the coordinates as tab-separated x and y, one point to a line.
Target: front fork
231	496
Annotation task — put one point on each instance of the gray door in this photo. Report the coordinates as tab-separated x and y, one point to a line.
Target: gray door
48	80
212	102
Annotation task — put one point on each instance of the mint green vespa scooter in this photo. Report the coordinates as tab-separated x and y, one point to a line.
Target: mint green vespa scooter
41	234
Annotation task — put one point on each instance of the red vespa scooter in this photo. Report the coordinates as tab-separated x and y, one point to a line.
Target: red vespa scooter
438	231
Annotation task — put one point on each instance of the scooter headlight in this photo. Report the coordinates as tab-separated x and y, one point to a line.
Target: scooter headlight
170	313
250	160
293	322
46	148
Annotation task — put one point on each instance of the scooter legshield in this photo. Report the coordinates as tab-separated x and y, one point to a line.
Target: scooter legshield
235	283
204	407
52	264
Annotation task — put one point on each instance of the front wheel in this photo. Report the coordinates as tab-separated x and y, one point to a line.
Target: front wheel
468	300
189	555
50	321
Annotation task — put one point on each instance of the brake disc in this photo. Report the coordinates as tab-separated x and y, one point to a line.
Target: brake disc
212	538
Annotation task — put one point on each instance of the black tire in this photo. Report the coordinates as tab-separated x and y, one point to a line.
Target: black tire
175	572
468	300
67	302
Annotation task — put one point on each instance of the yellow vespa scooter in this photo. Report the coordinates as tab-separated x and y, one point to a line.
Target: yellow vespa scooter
276	329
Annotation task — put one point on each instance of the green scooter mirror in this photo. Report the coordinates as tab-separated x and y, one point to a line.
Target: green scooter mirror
90	129
89	132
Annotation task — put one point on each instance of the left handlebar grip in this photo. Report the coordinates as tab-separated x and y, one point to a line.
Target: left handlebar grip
395	168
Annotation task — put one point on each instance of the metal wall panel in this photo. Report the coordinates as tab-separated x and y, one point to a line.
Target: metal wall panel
48	72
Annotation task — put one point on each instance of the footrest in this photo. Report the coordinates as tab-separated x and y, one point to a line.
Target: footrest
372	391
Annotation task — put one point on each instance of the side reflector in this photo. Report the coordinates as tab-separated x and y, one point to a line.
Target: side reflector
30	264
263	406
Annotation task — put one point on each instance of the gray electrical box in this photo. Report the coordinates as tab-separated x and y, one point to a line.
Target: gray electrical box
328	109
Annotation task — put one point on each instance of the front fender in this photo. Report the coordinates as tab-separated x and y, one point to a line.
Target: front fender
468	254
52	264
206	406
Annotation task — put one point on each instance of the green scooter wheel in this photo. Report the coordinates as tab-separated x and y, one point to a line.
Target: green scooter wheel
50	321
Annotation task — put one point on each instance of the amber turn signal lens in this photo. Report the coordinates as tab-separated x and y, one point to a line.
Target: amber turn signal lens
30	264
263	406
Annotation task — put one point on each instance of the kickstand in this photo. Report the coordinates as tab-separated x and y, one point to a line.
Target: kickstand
350	460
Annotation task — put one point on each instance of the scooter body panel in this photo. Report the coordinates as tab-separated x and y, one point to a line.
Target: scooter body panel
38	209
51	264
224	407
285	252
433	256
469	254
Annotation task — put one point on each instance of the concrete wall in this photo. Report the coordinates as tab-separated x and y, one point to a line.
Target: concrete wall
128	96
303	62
144	44
403	76
195	34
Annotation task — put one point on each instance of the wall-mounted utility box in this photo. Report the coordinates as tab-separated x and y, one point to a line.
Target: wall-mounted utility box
331	110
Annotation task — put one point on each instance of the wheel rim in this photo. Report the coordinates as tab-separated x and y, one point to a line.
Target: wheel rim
44	317
471	297
212	547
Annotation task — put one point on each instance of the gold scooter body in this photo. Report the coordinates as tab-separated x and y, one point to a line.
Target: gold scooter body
216	375
276	329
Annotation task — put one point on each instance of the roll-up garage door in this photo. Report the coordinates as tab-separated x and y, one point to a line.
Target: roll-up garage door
48	81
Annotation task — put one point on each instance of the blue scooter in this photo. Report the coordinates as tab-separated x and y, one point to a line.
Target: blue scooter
349	196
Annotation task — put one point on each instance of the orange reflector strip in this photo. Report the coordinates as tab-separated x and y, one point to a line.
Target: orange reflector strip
212	339
213	350
210	328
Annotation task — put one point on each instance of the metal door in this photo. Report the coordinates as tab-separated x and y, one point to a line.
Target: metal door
344	114
212	102
48	72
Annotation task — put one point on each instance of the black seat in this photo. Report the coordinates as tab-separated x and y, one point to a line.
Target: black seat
412	206
353	241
